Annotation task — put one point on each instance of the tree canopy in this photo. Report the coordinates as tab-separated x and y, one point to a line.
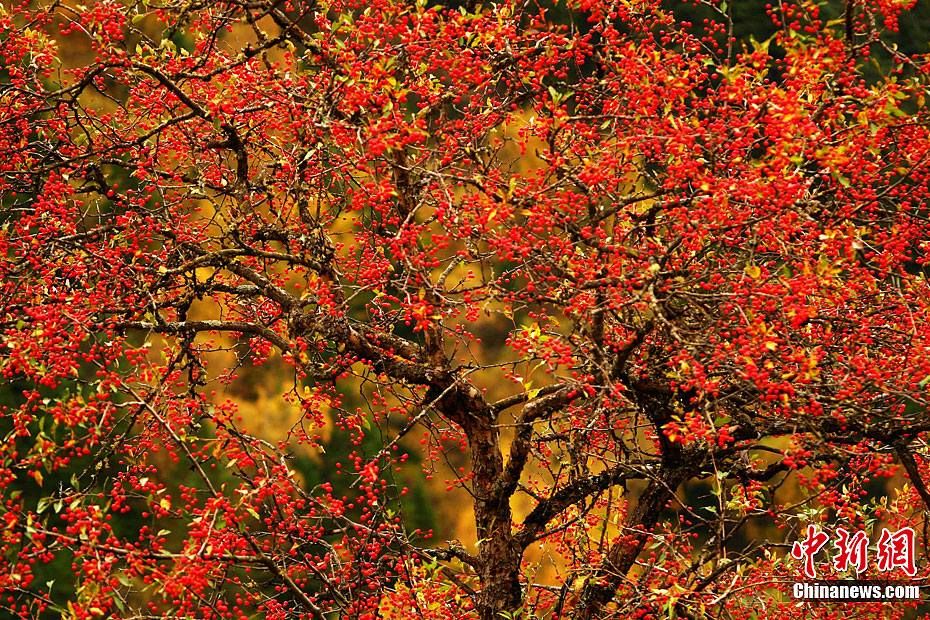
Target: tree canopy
644	287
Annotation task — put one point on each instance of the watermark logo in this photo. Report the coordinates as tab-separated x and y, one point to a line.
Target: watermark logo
894	551
864	591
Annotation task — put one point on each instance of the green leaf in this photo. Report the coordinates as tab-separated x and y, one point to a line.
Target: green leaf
43	504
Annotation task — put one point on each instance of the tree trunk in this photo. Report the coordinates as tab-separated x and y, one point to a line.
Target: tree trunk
499	556
621	556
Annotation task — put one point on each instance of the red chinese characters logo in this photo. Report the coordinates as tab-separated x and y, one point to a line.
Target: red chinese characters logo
808	548
896	550
893	551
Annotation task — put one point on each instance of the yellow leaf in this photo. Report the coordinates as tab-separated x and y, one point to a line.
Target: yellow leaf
753	271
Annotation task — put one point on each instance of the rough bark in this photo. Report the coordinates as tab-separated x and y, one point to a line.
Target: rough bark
499	556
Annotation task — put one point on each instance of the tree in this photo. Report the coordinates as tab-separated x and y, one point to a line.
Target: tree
651	296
